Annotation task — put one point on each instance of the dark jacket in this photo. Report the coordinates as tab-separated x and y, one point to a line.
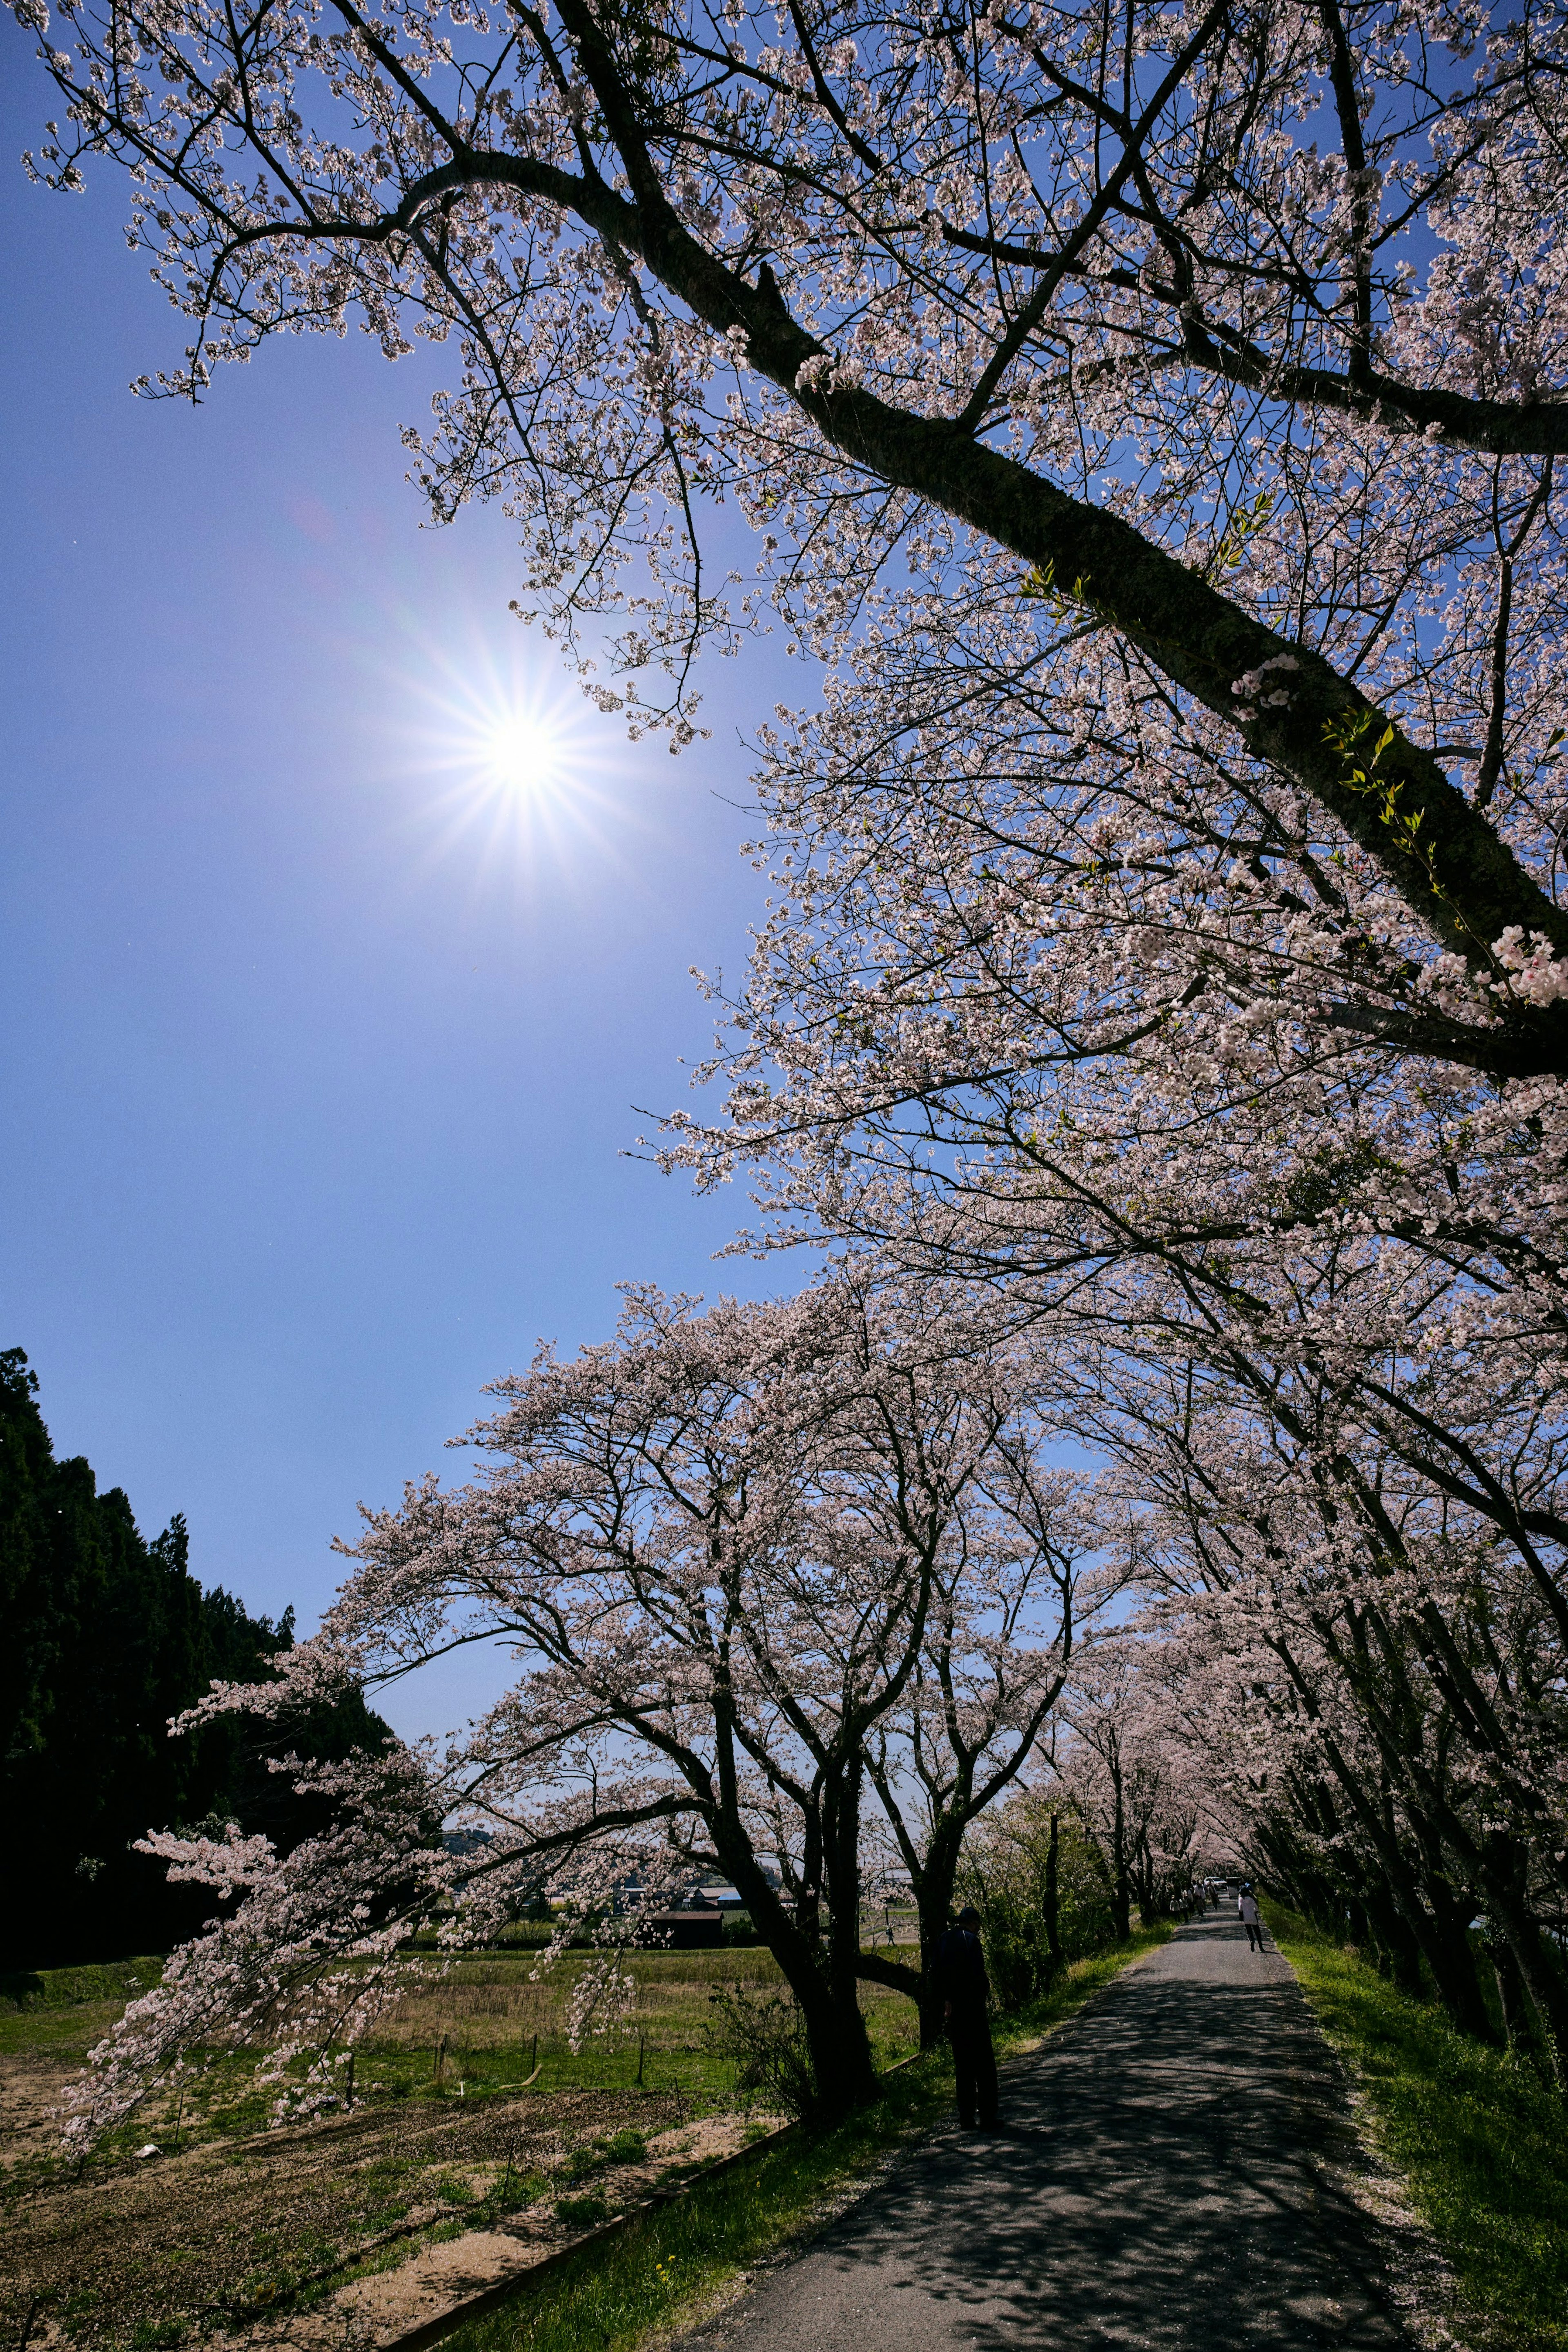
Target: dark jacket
961	1970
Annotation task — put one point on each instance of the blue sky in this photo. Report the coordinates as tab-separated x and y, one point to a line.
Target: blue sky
319	1053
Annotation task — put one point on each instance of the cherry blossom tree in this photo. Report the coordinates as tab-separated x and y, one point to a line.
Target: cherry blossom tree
711	1543
890	1585
1125	1763
743	1559
1022	1585
1374	1669
1190	380
311	1954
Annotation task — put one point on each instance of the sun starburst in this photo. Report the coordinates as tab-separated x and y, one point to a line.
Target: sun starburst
520	773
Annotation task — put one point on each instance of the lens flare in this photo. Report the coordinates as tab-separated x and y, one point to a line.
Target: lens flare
519	780
504	769
522	752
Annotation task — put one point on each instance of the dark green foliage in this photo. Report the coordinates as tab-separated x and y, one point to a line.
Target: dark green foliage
1044	1898
624	2146
30	1990
581	2212
107	1636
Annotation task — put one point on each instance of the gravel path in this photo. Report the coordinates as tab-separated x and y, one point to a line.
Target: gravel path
1163	2177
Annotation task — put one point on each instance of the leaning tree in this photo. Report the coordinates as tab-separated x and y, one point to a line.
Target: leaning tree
1228	342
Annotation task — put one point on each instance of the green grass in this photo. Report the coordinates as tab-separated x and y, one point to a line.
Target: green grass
496	2023
660	2270
1482	2139
42	1996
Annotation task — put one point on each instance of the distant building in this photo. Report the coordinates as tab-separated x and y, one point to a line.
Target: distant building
465	1841
688	1928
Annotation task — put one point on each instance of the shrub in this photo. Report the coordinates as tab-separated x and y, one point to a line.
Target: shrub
763	2036
581	2212
626	2146
1006	1875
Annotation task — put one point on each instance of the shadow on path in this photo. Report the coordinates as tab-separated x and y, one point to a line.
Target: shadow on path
1157	2181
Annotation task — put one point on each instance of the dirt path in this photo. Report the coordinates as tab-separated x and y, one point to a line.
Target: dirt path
1165	2177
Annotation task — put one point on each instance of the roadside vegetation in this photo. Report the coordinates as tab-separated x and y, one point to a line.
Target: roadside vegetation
470	2107
486	2028
1477	2130
462	2118
668	2265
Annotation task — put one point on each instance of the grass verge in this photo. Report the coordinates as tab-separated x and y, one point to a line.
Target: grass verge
669	2265
1482	2139
25	1993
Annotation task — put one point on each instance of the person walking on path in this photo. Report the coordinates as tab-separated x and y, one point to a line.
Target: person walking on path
1248	1913
966	1992
1175	2177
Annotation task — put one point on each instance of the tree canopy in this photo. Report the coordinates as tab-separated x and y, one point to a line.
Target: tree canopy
1228	343
107	1637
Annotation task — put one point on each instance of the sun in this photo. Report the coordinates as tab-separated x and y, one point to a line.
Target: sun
509	754
514	778
521	751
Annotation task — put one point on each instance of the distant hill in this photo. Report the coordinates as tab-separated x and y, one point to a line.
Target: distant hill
105	1636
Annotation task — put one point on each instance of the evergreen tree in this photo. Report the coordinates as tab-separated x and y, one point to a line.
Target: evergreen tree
109	1636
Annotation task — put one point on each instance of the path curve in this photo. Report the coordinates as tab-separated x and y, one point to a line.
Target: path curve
1163	2177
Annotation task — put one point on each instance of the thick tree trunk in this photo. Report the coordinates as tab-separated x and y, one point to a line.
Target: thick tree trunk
1496	1867
842	2062
1493	1867
1459	1981
1448	864
1444	1944
1052	1898
1120	1885
825	1990
845	2074
1545	1991
1536	1961
1509	1988
1397	1947
934	1903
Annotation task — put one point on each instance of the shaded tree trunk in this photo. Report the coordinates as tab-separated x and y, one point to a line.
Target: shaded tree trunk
1053	1895
1121	1883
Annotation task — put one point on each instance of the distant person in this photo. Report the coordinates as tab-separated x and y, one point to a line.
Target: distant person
1248	1913
966	1992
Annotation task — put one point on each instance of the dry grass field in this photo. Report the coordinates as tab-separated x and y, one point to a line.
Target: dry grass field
498	2026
